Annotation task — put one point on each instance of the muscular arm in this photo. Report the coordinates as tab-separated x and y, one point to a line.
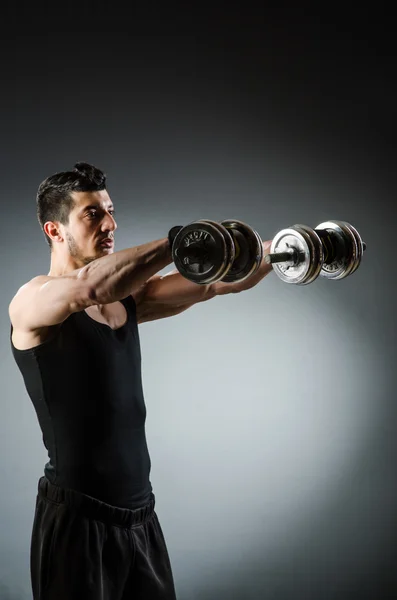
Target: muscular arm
171	294
47	301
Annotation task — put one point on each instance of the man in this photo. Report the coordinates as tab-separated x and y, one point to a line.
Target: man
75	339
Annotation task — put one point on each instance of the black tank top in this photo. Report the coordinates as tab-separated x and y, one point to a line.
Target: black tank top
86	387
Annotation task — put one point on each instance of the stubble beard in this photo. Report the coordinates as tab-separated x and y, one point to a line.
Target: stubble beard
76	253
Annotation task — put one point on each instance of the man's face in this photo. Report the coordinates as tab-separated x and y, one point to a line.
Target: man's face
90	231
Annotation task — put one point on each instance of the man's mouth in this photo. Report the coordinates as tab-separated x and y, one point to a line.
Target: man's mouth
107	243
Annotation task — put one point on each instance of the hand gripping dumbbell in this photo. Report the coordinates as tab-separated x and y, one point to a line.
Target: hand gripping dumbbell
206	252
299	254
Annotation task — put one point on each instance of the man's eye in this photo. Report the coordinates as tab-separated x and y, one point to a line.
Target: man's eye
92	213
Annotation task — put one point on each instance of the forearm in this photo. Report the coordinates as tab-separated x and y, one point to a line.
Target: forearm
113	277
173	289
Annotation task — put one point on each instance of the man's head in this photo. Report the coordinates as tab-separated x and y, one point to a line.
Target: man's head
76	213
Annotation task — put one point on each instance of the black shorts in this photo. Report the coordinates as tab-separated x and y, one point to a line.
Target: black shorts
85	549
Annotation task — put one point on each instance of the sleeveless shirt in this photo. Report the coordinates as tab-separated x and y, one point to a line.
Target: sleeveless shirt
85	384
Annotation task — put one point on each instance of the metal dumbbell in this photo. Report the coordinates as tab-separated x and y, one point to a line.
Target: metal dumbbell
206	252
299	254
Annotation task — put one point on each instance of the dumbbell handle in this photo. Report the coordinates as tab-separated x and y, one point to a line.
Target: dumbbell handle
278	257
289	256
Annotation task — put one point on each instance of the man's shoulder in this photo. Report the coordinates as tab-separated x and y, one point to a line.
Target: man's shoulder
24	289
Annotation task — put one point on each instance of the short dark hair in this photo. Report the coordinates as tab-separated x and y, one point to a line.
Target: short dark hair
54	196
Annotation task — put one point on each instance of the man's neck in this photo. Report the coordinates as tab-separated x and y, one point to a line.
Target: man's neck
62	266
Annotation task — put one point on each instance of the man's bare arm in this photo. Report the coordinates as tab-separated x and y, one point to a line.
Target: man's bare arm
173	291
47	301
160	311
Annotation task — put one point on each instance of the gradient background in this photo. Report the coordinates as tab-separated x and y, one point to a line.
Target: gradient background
271	414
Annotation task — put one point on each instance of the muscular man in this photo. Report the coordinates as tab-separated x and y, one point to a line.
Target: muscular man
74	336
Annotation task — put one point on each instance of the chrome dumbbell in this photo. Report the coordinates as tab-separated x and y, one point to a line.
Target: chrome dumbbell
299	254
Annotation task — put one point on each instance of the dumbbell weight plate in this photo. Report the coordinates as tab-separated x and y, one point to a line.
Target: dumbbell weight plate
250	251
348	250
230	248
308	245
215	246
360	247
317	253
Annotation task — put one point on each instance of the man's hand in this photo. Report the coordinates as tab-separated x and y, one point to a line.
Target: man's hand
220	288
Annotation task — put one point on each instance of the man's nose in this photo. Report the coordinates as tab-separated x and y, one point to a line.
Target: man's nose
108	223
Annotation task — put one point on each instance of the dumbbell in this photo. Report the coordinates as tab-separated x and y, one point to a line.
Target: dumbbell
206	252
299	254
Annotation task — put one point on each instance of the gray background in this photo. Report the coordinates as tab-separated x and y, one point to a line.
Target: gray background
271	414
